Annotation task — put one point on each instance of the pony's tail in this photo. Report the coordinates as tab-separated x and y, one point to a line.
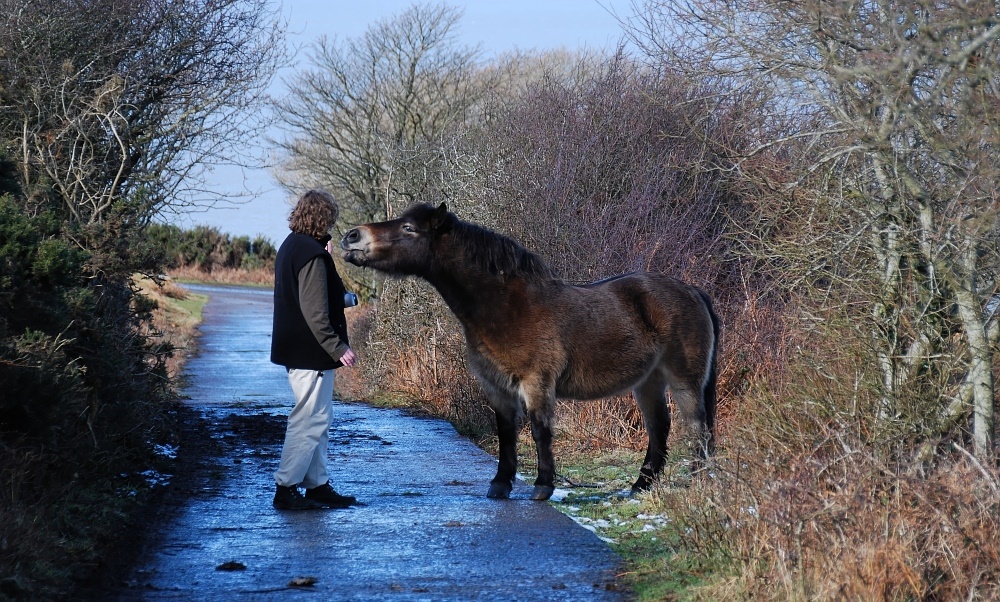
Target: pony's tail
709	392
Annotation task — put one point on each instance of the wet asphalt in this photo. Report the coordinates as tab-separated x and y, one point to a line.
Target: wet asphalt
423	529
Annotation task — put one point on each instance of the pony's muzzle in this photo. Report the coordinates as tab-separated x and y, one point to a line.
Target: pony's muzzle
354	247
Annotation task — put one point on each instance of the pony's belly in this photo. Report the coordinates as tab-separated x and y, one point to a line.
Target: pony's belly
593	377
597	386
615	369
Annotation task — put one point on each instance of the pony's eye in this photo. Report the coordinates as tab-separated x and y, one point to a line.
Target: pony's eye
408	228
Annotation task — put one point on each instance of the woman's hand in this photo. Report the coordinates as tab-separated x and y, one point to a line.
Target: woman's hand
348	359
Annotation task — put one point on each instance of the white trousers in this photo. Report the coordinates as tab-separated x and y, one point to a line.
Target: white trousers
304	455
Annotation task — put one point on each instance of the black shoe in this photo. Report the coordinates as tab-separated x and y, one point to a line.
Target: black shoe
289	498
324	494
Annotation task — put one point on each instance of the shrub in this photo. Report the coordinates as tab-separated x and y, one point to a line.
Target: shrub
208	250
82	396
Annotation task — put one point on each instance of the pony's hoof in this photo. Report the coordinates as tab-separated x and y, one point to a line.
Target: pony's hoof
542	492
499	491
643	484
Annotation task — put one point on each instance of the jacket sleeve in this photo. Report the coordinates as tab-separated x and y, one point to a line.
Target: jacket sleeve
314	303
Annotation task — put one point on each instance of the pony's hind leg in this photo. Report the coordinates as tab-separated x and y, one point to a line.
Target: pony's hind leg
651	398
690	403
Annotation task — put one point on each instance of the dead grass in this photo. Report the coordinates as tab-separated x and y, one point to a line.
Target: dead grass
259	277
805	502
350	382
175	320
841	524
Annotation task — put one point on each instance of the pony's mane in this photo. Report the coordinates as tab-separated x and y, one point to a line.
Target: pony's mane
495	253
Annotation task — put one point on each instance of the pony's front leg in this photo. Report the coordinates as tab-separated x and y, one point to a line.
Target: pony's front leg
541	432
503	483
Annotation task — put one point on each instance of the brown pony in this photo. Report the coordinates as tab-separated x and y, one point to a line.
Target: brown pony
531	337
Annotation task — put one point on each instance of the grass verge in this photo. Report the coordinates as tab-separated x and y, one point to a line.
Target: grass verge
659	561
174	321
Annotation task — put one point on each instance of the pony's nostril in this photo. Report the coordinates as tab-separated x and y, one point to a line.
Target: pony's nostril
352	236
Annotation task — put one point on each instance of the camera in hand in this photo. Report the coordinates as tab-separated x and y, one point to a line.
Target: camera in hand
350	299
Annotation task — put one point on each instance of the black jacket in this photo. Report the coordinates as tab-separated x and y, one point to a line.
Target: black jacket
293	343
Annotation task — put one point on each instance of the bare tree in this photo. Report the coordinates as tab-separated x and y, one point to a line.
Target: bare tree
369	114
896	103
607	168
109	103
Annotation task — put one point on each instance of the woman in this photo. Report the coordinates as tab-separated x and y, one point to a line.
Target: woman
309	339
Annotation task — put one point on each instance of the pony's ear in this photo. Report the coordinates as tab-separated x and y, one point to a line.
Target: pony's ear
441	221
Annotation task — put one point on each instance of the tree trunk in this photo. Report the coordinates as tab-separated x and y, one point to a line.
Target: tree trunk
979	380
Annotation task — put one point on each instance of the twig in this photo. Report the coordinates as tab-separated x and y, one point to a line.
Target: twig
575	485
989	478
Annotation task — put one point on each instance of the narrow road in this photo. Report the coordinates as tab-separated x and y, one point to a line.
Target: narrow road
424	530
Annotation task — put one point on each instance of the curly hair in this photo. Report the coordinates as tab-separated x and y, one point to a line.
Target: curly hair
314	214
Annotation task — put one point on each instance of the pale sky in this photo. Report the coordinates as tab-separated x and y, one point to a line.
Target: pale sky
497	25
